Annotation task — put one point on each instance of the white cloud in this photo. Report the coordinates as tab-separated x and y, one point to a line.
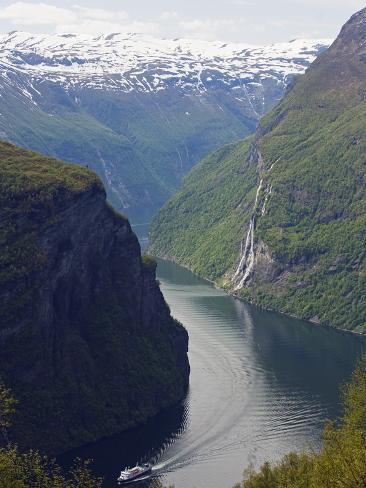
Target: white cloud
101	14
242	3
268	22
145	27
36	13
87	20
211	29
79	19
88	26
96	27
169	15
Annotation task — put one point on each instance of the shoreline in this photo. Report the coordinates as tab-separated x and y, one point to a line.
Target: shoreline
236	297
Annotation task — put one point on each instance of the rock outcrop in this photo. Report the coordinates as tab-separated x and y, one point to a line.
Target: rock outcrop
87	342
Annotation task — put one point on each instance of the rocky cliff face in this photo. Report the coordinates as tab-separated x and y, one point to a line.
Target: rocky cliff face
86	339
280	219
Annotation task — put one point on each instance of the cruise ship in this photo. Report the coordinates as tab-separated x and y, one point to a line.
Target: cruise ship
130	474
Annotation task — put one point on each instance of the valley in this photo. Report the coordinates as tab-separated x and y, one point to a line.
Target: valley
137	110
182	251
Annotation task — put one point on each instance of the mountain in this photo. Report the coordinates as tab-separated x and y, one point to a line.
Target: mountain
280	219
87	343
139	111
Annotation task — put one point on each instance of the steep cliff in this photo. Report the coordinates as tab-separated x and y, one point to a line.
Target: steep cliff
87	342
296	242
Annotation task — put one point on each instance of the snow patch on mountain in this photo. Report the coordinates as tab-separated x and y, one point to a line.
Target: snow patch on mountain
135	62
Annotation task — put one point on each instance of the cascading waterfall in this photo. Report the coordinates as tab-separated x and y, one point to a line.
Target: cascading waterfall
246	264
268	193
248	249
247	260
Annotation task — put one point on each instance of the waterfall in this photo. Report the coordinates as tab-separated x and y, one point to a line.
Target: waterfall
248	246
258	192
247	259
268	193
246	264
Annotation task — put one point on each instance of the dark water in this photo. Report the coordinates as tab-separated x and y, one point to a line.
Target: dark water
261	384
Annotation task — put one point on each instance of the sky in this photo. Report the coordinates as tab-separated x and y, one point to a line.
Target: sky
248	21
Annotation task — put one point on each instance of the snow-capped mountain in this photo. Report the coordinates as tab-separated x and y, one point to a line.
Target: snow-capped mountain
139	109
129	62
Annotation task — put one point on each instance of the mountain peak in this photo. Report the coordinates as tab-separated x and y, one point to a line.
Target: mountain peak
353	34
358	18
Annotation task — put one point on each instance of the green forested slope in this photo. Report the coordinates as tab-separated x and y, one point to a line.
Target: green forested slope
85	333
307	166
202	224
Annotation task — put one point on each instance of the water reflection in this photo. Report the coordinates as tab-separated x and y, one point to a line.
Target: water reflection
142	444
261	384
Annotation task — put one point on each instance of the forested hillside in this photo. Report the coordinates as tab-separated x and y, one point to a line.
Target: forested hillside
292	206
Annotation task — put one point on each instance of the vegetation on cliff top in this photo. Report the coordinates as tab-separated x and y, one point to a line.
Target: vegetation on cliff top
313	151
31	189
26	174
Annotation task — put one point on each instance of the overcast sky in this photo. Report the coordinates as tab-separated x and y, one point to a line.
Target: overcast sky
249	21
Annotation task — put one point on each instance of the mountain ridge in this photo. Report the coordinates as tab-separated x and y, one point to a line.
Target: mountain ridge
71	59
59	97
